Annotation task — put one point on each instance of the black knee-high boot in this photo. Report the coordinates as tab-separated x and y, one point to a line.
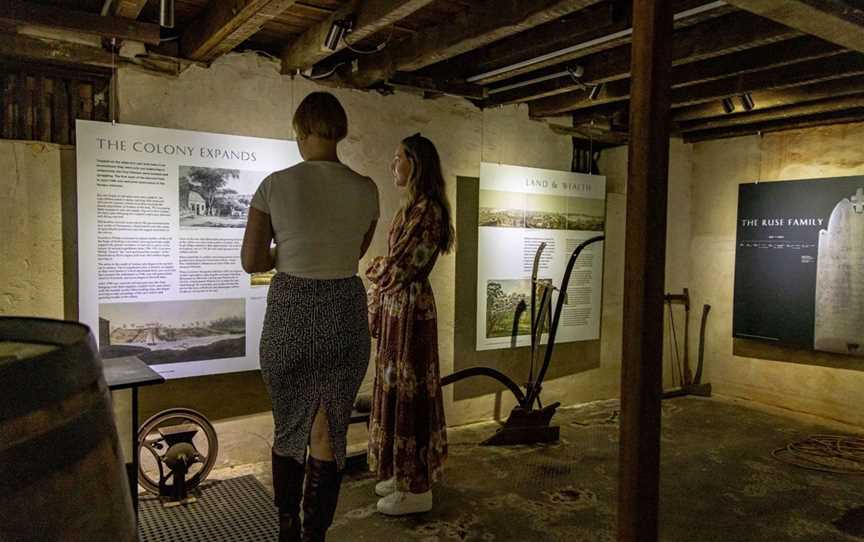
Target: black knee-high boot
287	492
320	496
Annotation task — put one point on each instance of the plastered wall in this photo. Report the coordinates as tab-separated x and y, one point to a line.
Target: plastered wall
244	94
31	267
718	168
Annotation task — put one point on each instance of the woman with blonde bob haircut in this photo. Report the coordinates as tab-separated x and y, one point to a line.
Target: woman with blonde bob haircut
315	341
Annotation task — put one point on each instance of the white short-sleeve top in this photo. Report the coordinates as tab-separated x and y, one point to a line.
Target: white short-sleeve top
320	212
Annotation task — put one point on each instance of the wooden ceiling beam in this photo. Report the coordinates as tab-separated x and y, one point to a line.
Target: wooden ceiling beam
777	98
589	24
759	58
791	75
129	9
22	47
225	24
369	17
837	21
855	101
594	39
810	121
466	31
19	12
737	32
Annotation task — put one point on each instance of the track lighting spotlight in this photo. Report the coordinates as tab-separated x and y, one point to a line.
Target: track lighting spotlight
594	93
166	13
728	105
747	102
337	31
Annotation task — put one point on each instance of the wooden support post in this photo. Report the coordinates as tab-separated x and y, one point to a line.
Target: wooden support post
645	256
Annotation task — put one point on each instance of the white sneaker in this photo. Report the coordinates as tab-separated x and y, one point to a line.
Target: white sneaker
400	503
382	489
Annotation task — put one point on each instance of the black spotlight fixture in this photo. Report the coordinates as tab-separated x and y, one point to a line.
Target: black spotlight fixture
594	93
166	13
728	105
337	31
747	102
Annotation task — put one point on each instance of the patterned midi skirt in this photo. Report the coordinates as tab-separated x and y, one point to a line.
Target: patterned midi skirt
314	353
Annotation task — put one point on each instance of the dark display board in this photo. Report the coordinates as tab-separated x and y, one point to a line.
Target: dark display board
799	264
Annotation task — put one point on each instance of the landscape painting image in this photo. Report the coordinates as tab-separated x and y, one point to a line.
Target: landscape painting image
501	209
216	198
173	331
502	299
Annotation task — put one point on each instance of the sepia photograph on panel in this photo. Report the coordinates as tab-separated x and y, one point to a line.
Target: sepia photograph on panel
500	209
173	331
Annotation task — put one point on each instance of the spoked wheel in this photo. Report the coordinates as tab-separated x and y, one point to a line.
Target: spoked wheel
153	470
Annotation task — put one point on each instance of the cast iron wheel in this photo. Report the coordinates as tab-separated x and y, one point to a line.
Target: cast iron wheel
151	441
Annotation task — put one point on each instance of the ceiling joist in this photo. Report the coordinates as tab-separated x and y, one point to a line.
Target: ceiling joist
225	24
467	31
368	18
855	101
767	99
38	50
689	12
129	9
794	123
18	12
837	21
738	32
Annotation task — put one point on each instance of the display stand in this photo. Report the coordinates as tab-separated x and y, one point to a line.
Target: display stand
130	373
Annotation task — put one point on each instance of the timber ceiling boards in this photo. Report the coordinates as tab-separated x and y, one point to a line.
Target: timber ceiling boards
800	61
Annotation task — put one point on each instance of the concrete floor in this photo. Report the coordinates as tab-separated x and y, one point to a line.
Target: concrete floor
719	482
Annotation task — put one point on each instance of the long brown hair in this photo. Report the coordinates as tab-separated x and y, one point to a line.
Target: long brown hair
428	181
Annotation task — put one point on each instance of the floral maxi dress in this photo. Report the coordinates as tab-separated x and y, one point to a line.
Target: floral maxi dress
407	430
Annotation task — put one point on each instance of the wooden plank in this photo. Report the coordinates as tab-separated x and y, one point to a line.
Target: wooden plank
22	12
60	109
85	99
789	74
129	9
465	32
225	24
738	32
778	98
38	108
644	273
25	108
812	71
810	121
855	101
369	17
25	47
759	58
618	35
9	85
589	24
101	101
46	111
837	21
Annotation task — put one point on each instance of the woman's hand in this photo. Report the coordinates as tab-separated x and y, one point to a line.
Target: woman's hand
257	255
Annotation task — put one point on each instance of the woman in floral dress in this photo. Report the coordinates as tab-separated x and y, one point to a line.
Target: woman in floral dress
408	433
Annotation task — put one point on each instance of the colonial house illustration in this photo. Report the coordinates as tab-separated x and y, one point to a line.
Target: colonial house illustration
196	203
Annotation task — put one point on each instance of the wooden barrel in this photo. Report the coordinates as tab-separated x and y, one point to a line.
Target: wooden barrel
61	470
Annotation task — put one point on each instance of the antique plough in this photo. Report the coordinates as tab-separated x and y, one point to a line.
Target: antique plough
527	424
